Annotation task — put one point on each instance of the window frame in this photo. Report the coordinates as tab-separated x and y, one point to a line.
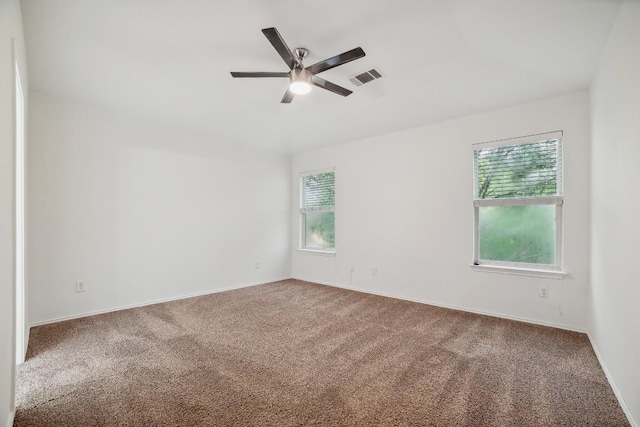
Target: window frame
302	211
520	268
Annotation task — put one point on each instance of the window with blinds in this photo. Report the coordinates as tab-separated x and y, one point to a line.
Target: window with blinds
518	198
317	211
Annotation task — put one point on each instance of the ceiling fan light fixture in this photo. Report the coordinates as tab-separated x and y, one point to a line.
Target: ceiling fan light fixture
300	87
300	81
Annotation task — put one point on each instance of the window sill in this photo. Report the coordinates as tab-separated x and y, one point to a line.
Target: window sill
317	252
520	271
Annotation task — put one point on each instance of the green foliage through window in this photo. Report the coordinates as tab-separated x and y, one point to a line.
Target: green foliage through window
524	234
319	230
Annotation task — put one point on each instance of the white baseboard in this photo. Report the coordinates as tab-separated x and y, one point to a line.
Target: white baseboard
158	301
453	307
10	418
615	389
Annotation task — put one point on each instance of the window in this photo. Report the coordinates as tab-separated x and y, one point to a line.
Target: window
518	203
317	211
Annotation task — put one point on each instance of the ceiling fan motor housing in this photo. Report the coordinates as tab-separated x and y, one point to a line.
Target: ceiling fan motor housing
300	74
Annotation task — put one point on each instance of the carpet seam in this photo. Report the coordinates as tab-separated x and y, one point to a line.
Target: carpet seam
53	399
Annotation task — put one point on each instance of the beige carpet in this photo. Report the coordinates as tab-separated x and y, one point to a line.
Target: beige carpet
294	354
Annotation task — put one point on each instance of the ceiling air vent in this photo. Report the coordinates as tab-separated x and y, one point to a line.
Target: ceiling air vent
366	77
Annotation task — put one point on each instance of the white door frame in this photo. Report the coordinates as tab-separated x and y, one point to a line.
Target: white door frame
20	215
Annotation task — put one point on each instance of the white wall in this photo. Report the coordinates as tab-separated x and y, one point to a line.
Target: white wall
10	29
615	233
404	206
142	212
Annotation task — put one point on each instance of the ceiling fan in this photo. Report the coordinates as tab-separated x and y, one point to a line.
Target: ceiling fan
300	77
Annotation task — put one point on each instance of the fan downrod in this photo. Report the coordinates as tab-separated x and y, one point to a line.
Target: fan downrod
301	53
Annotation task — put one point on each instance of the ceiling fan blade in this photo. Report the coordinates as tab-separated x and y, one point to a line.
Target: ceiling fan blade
331	87
259	74
330	63
288	97
278	43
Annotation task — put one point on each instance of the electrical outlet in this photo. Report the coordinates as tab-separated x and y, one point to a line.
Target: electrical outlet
353	268
544	292
257	266
80	287
374	271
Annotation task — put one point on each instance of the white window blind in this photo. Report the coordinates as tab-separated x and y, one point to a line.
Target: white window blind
318	191
531	170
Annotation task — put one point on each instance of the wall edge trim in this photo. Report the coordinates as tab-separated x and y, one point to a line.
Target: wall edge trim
612	384
450	306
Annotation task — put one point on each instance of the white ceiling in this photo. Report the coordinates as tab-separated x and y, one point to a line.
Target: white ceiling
169	60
